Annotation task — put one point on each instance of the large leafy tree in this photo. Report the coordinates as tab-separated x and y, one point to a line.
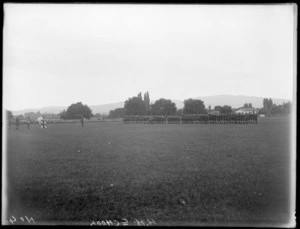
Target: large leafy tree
63	115
179	112
283	109
76	110
20	117
140	95
226	109
218	108
163	107
223	109
287	107
117	113
9	115
194	106
147	102
135	106
268	105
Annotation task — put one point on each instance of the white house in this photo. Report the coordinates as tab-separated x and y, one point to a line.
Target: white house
246	110
213	112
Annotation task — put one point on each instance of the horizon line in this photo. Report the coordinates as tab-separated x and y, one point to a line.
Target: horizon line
65	106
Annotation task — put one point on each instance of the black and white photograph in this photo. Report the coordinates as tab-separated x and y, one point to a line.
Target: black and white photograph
149	114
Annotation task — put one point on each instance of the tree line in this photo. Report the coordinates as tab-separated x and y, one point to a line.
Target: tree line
140	105
270	108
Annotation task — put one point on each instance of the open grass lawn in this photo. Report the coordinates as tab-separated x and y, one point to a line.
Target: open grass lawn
174	174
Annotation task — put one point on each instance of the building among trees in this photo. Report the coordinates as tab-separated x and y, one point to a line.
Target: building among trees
246	110
213	112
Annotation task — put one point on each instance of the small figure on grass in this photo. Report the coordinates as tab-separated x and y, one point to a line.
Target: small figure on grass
28	121
42	122
82	121
43	125
17	123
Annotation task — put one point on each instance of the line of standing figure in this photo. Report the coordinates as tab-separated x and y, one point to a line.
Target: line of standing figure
18	122
220	119
193	119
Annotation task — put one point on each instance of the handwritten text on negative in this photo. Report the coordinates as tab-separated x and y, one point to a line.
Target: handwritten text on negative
124	222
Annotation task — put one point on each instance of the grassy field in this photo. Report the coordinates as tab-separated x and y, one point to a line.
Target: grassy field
174	174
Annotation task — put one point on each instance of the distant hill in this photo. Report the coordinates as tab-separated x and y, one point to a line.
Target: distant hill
235	101
105	108
52	109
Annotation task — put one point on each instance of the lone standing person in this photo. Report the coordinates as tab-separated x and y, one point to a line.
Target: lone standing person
17	123
82	120
43	125
28	123
42	122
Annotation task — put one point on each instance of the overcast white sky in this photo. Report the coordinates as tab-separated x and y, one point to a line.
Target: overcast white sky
61	54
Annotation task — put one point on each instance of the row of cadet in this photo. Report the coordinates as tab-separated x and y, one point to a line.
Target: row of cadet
193	119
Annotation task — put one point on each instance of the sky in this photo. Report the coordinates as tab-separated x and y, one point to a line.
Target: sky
59	54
